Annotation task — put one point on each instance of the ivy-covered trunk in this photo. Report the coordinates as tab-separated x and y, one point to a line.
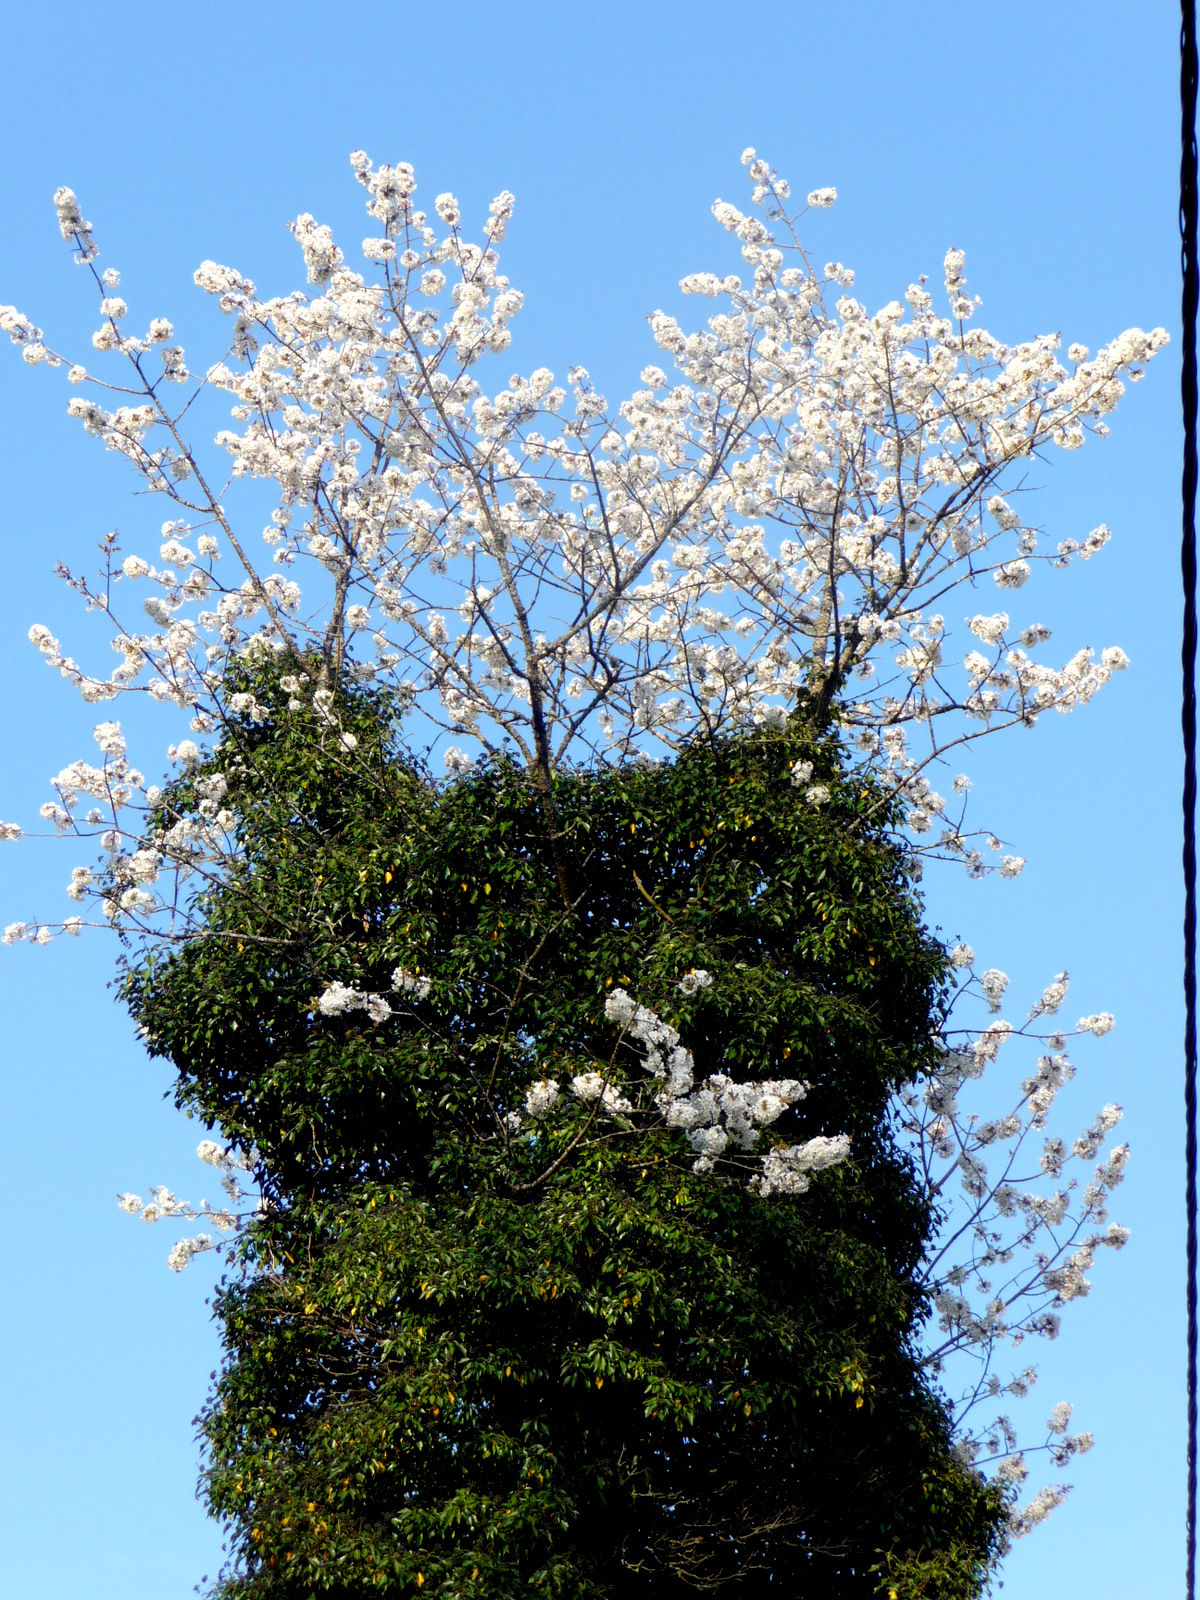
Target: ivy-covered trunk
476	1352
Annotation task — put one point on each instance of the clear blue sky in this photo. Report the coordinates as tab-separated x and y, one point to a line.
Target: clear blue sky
1038	137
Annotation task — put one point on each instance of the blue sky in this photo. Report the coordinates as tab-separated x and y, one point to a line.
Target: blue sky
1040	139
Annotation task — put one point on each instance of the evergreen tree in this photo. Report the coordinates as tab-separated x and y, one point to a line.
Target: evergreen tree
475	1358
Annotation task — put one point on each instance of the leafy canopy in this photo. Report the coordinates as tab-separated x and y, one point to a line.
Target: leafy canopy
468	1359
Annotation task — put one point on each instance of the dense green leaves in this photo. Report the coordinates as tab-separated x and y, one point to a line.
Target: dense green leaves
468	1361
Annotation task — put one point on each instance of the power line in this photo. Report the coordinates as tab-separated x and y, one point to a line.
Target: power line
1189	71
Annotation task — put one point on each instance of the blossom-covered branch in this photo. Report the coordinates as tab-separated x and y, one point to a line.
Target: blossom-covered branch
1017	1234
164	1205
792	514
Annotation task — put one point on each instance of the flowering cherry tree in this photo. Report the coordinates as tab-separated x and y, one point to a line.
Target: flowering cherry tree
792	511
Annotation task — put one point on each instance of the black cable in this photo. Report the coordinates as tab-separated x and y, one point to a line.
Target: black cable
1189	71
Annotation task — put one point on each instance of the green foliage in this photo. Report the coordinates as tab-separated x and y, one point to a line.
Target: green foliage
467	1361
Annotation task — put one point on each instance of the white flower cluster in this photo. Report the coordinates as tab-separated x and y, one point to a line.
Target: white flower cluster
1046	1500
994	983
183	1250
1053	996
542	1098
718	1115
593	1086
786	1171
38	932
1100	1024
340	998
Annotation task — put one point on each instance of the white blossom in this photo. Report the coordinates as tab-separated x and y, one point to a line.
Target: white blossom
1024	1521
994	983
1100	1024
405	982
542	1097
185	1249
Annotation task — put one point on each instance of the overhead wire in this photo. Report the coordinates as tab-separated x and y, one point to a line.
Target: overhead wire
1189	72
